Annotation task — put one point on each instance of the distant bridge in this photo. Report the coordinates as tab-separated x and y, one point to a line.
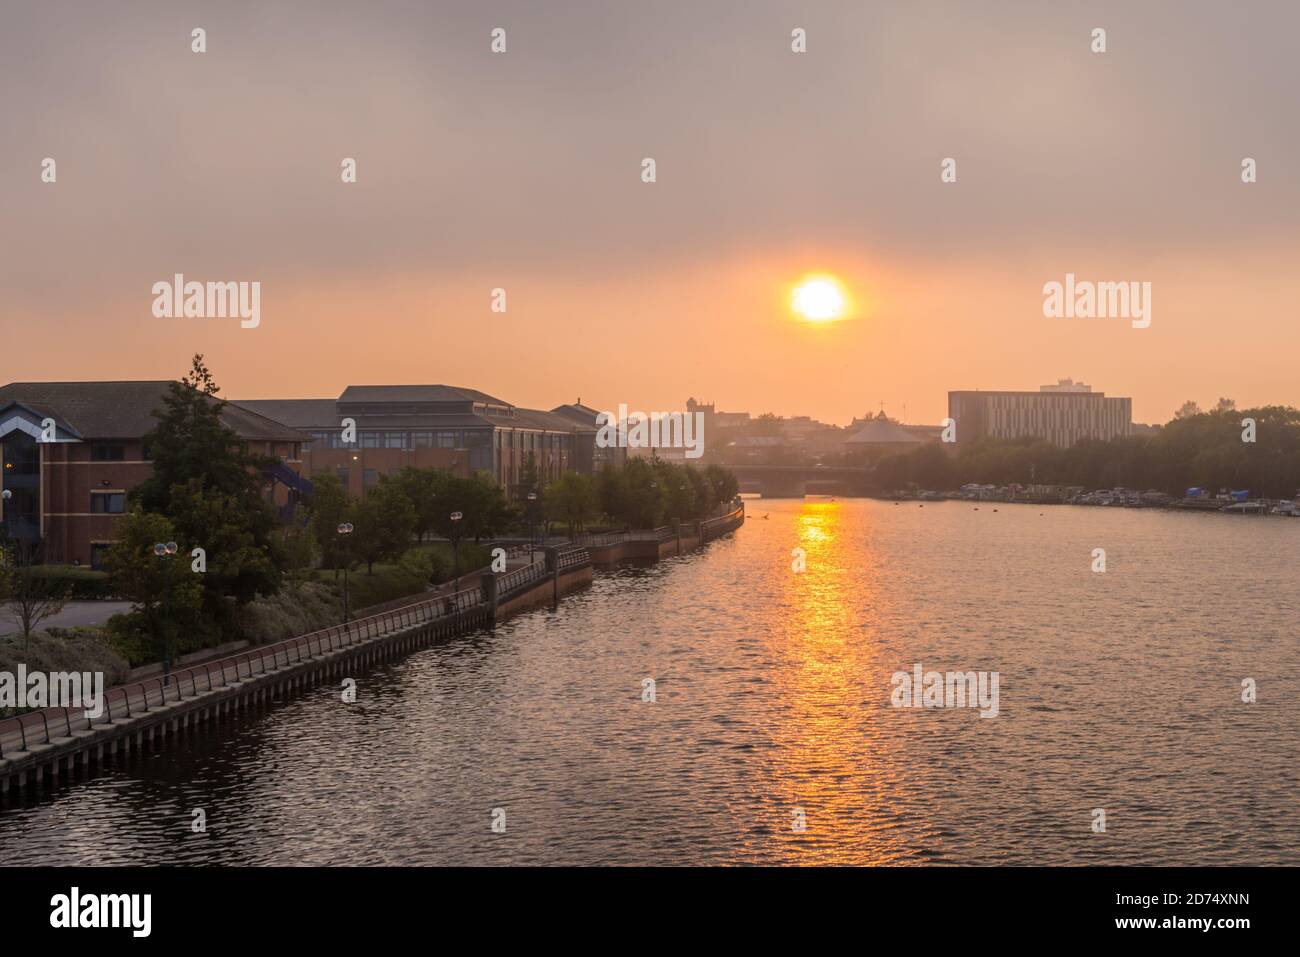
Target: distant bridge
796	481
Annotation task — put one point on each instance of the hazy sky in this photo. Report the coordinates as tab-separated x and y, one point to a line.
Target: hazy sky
522	170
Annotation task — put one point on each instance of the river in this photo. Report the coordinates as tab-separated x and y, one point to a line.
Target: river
771	738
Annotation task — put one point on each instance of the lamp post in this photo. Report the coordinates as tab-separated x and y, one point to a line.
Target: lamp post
5	496
455	548
166	552
532	524
344	530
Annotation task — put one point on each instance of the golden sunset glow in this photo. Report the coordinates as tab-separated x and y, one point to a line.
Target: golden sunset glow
819	299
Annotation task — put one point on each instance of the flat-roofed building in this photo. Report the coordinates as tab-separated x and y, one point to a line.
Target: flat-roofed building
1062	416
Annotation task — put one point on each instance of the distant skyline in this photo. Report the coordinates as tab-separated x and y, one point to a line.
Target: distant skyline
521	171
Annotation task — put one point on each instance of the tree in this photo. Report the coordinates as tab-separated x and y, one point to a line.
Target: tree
382	524
298	546
679	492
328	509
1225	405
530	479
1187	410
487	513
611	493
207	483
29	595
572	500
768	424
723	482
702	492
427	489
167	593
238	565
646	494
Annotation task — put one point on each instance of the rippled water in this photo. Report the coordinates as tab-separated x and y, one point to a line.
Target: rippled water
1118	691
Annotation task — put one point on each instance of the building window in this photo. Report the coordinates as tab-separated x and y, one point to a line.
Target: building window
107	503
98	552
369	477
370	440
448	440
107	452
342	473
394	440
422	440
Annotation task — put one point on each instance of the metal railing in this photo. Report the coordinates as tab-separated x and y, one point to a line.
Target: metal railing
509	583
600	539
20	732
714	527
570	558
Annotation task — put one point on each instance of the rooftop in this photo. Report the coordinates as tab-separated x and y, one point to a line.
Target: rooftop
124	410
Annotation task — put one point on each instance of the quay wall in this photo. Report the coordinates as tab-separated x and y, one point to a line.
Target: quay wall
40	747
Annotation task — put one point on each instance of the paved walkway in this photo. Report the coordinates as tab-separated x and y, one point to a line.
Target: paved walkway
75	614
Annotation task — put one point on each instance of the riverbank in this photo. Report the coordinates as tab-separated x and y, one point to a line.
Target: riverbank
42	745
1109	498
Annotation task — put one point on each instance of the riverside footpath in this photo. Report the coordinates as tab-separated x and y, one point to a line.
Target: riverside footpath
41	749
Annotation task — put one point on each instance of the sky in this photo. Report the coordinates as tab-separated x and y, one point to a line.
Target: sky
522	171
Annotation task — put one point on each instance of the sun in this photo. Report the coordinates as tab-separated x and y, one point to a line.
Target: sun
819	299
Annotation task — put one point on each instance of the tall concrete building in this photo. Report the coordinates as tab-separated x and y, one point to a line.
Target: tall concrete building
1062	414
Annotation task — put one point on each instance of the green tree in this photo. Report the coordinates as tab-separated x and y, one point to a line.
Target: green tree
702	492
679	491
572	500
647	496
611	493
168	595
484	506
195	458
382	525
427	489
327	510
723	482
239	566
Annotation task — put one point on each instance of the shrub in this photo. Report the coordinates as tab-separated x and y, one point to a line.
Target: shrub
65	649
83	584
294	611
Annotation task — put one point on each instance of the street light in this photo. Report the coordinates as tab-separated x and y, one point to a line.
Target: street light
345	529
532	524
455	548
165	553
6	495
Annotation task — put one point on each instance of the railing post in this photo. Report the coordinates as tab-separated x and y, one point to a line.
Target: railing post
552	554
490	595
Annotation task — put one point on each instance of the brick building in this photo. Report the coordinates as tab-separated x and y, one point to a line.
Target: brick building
440	426
73	450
